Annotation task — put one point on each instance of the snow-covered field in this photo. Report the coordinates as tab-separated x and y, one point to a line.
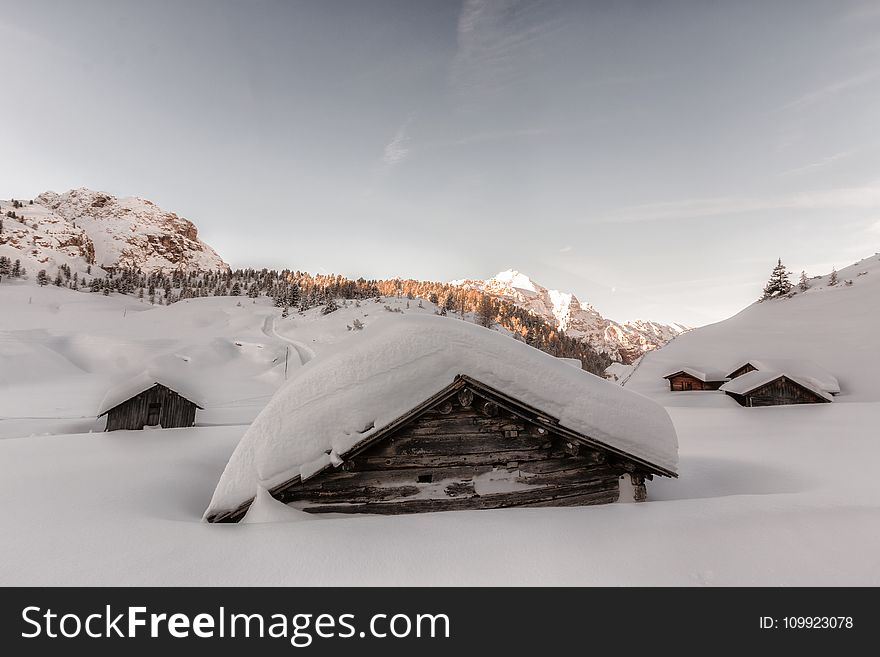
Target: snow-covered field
772	496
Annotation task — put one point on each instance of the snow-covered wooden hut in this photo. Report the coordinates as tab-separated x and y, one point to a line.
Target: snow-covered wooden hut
150	400
425	413
769	388
692	378
802	369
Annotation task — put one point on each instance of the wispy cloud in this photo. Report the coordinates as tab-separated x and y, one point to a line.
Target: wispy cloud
874	228
820	164
566	249
867	11
481	137
398	149
831	90
841	198
493	35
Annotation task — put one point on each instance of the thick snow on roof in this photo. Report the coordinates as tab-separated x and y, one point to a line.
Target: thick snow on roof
126	389
801	368
335	402
757	378
702	375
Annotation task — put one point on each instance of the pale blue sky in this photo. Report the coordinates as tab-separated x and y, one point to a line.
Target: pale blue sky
655	158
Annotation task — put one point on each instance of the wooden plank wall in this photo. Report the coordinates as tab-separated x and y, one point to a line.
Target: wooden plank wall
680	382
175	411
465	453
781	392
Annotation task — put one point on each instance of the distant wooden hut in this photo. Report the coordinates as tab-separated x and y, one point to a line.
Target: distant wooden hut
149	401
756	388
798	368
690	378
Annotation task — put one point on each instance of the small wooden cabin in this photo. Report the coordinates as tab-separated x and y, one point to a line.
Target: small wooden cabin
148	402
689	378
742	369
798	368
468	447
756	388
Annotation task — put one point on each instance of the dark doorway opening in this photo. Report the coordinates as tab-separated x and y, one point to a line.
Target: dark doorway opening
153	414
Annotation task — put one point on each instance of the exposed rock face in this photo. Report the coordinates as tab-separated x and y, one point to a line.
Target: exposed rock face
40	238
623	342
130	232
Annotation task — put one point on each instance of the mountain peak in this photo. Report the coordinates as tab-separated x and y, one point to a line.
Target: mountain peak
83	227
624	342
516	279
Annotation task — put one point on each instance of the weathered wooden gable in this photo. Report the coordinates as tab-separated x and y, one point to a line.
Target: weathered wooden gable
779	392
745	369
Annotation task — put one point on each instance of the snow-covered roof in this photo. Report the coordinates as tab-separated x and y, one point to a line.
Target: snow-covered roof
337	401
796	367
702	375
126	389
744	384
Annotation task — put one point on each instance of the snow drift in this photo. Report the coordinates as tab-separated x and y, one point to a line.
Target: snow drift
337	401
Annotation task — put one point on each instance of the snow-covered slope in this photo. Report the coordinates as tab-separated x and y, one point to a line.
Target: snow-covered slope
623	342
834	326
82	227
794	484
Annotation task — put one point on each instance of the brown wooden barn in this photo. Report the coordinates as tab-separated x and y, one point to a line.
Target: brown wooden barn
690	378
757	388
148	401
387	427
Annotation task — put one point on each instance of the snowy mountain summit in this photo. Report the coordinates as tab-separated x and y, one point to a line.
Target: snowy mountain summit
83	227
621	341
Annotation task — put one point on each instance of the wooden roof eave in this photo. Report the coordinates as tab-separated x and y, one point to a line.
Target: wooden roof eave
201	408
540	418
813	391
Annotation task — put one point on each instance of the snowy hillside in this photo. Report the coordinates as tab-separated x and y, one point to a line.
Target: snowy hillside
82	227
834	325
623	342
61	350
765	496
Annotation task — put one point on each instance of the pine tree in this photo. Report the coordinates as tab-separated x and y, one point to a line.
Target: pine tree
330	306
833	280
236	290
42	278
803	285
486	310
778	285
16	268
286	312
